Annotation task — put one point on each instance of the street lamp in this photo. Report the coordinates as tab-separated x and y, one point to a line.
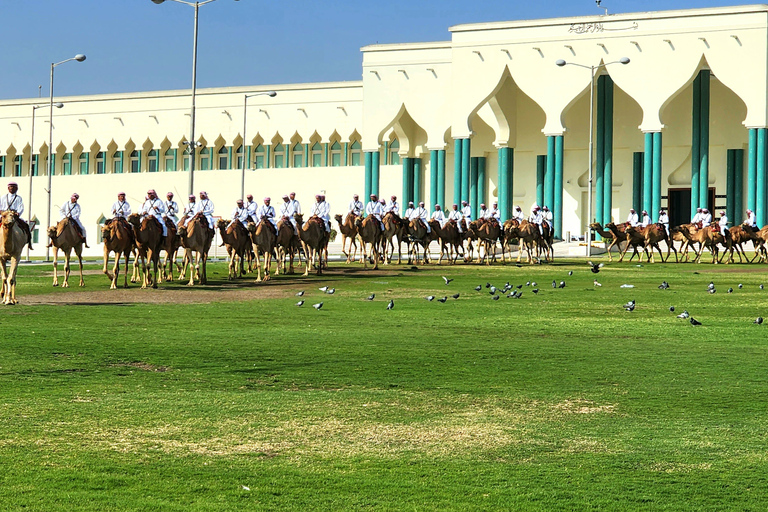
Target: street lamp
32	157
561	63
192	145
79	58
271	94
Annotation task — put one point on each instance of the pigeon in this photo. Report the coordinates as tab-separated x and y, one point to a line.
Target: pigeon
519	295
447	280
493	289
456	296
561	285
519	286
495	297
711	285
535	290
758	320
442	300
684	314
762	287
694	321
528	283
730	290
371	296
596	283
595	267
570	272
534	284
331	291
712	290
300	303
671	309
741	286
478	288
554	284
391	304
324	288
630	304
318	305
664	285
300	293
487	285
430	298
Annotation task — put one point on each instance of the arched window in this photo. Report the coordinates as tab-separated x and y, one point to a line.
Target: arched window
170	160
82	163
205	159
224	157
152	160
239	157
2	166
259	157
335	154
317	154
67	164
17	166
298	154
35	165
100	162
356	153
135	161
117	162
279	155
394	152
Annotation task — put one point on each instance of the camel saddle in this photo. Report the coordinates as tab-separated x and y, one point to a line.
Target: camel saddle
317	220
23	225
170	225
715	228
237	225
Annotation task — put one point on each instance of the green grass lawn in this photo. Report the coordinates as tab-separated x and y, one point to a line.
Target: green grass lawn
556	401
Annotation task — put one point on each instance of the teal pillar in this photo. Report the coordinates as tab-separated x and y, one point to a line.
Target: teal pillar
760	181
752	169
368	175
541	171
599	149
457	145
549	176
695	145
407	181
375	170
482	195
441	176
656	202
346	154
557	207
637	181
730	184
386	152
417	170
608	150
473	197
704	141
648	172
503	182
433	198
738	189
465	158
510	183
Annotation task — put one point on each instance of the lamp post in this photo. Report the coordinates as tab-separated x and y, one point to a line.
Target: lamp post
191	143
593	69
79	58
32	157
271	94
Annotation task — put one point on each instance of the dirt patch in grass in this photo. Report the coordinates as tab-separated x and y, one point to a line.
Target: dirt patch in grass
140	365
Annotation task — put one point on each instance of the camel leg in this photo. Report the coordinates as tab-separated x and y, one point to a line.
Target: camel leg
126	255
79	252
55	266
105	270
10	298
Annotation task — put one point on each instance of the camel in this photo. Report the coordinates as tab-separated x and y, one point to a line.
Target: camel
761	236
705	237
394	226
12	241
196	238
171	246
417	231
738	235
65	237
619	232
615	241
149	242
652	234
527	234
450	240
118	238
488	232
287	245
237	241
264	239
369	232
314	239
348	230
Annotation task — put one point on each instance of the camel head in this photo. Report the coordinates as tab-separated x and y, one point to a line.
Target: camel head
299	218
222	223
9	218
133	219
338	218
359	222
51	230
596	226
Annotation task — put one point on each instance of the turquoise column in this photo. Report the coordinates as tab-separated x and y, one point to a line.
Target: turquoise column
599	149
375	169
608	151
510	183
541	171
760	181
648	172
368	175
326	147
433	178
481	189
557	209
704	141
549	176
346	154
752	169
738	189
695	142
457	171
473	197
502	181
637	181
268	158
417	193
386	152
656	203
465	156
441	176
306	155
730	184
407	181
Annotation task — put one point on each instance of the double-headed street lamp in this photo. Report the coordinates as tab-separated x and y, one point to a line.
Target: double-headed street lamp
191	143
79	58
32	157
271	94
561	63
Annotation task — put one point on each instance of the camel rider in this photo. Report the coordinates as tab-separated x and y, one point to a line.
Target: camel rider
154	207
493	212
12	201
518	214
120	208
171	208
466	211
71	210
482	212
547	216
536	217
251	206
438	215
189	211
706	218
422	214
750	221
408	211
286	212
374	208
632	218
324	212
456	215
664	219
294	203
268	211
646	219
205	206
239	213
355	206
723	223
697	217
393	206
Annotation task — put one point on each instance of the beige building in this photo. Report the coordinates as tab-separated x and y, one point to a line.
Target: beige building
487	116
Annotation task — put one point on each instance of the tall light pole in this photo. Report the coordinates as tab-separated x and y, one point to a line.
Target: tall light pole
79	58
271	94
593	69
191	142
32	157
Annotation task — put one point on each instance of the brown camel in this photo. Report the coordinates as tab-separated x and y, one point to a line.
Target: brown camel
527	234
761	236
65	237
652	234
314	239
118	238
12	241
369	232
196	239
394	226
287	245
488	232
620	232
450	240
418	234
738	235
237	241
706	238
348	231
264	239
149	242
171	246
607	234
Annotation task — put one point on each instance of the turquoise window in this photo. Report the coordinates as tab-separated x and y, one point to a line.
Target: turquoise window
35	165
335	154
2	166
135	161
67	165
224	158
239	155
298	154
279	156
100	162
117	162
260	157
356	153
82	163
394	155
170	160
152	160
317	154
205	159
17	166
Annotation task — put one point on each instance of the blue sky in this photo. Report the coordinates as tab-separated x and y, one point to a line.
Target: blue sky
136	45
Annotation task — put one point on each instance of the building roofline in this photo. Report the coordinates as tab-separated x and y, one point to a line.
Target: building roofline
406	46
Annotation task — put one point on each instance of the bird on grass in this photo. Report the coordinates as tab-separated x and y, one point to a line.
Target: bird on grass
630	304
561	285
492	290
596	283
324	288
570	272
455	296
762	287
534	284
711	285
487	285
664	285
478	288
712	290
694	321
741	286
331	291
671	309
684	314
371	296
442	300
300	303
758	320
519	295
730	290
535	291
595	267
519	286
300	293
554	284
318	305
447	280
495	297
631	307
528	283
430	298
391	304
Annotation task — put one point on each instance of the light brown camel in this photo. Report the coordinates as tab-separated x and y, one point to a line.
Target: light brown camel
348	231
264	239
12	241
636	240
652	234
314	239
761	236
706	238
65	237
287	245
369	232
149	242
394	227
118	238
607	234
419	236
237	241
171	246
450	240
196	239
526	233
488	232
738	235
